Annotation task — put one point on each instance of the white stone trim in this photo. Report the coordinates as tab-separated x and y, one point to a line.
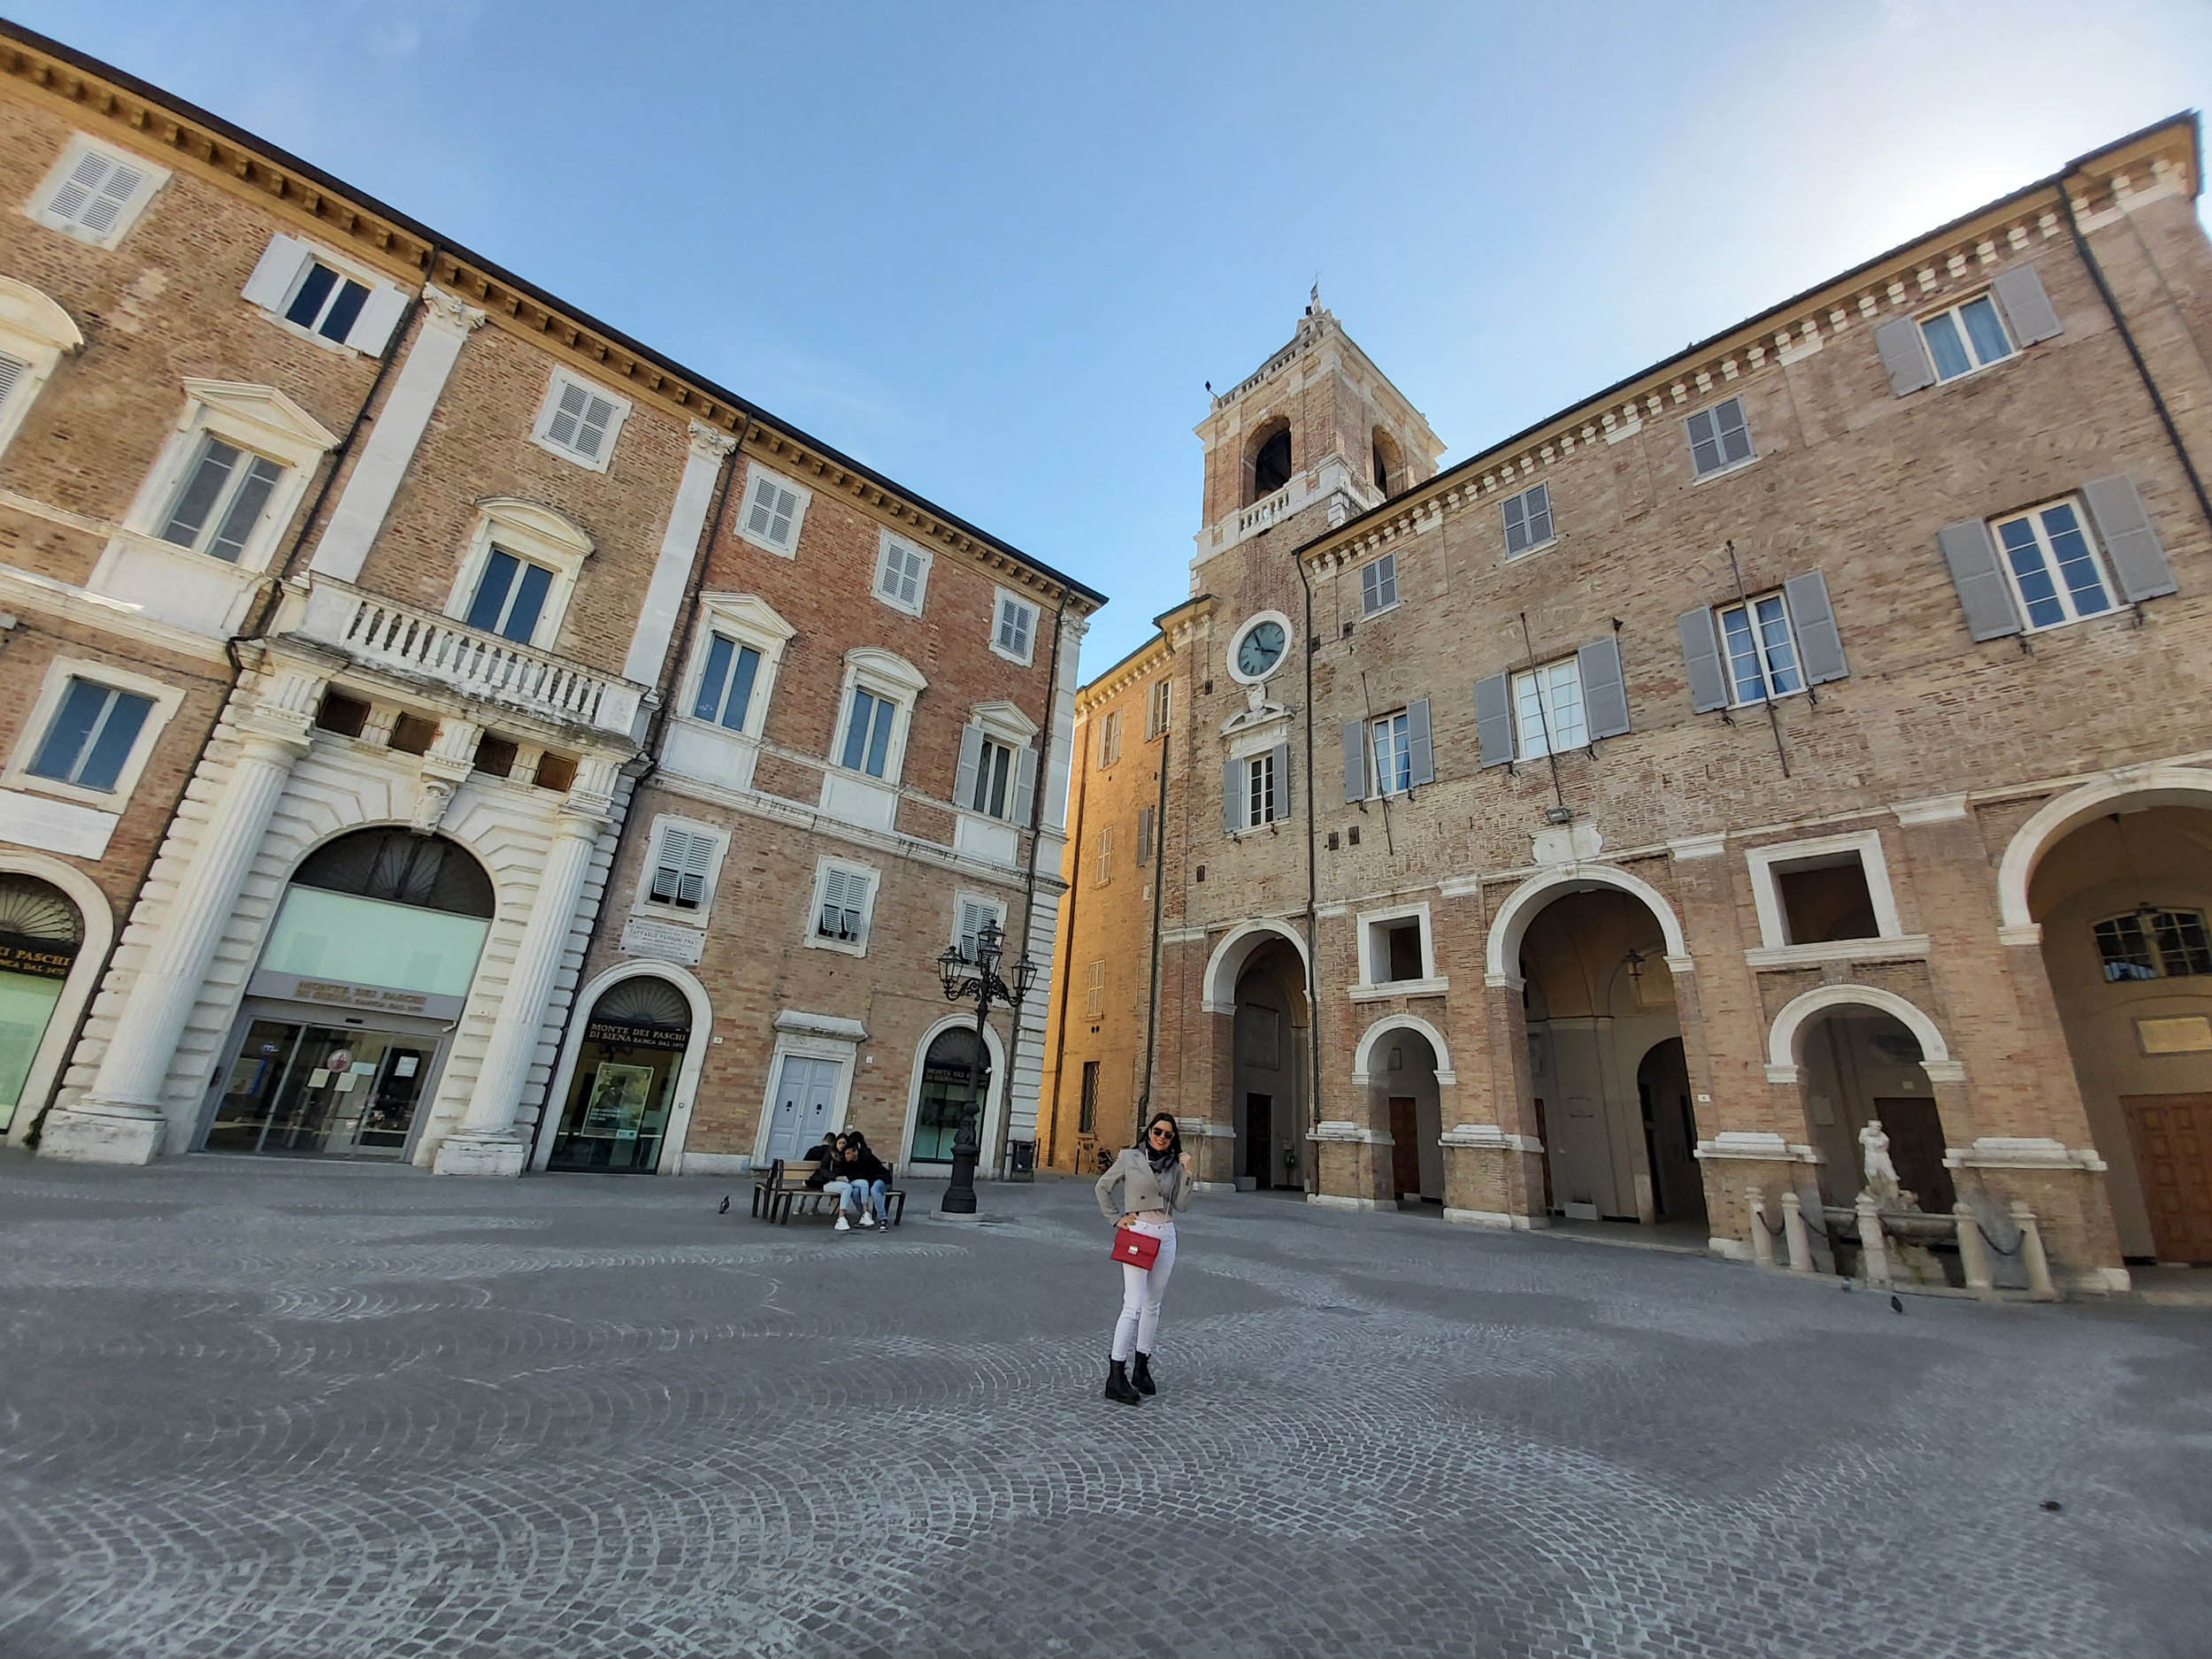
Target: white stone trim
1904	948
799	1019
2140	786
540	428
1363	1055
811	1037
1000	598
95	913
1762	1145
1938	809
1489	1137
1429	983
990	1127
31	735
709	448
528	530
1342	1130
644	903
35	330
1692	846
1290	643
671	1160
753	473
1502	954
2021	1152
886	540
1782	1035
811	937
1235	948
1501	1220
79	146
1766	894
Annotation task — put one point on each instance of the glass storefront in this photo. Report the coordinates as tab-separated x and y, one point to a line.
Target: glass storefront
957	1070
623	1089
39	935
327	1091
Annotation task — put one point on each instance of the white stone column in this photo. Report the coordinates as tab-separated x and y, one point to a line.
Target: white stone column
448	321
486	1142
680	543
120	1120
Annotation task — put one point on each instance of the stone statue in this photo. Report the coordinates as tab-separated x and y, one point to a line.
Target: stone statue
1881	1174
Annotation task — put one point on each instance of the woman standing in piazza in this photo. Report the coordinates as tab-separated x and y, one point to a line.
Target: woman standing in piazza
1155	1181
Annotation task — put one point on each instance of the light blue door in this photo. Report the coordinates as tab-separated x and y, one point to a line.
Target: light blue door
806	1094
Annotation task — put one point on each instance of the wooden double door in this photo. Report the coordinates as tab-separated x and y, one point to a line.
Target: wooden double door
2171	1135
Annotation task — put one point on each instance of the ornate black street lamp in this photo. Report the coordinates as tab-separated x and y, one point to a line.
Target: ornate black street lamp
978	979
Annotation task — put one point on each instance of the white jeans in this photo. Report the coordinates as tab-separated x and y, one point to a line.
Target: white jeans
1141	1289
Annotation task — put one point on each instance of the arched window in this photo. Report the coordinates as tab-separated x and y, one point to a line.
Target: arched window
1388	469
384	907
40	933
956	1072
400	867
1271	467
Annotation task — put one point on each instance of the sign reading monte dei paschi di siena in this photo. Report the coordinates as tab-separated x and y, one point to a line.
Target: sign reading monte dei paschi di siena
1785	765
439	728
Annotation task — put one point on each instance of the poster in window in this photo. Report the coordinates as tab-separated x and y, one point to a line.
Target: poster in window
618	1098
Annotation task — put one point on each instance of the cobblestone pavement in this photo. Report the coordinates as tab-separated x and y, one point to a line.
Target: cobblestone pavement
303	1410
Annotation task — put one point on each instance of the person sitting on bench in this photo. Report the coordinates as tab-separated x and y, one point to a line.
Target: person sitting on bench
866	1176
826	1158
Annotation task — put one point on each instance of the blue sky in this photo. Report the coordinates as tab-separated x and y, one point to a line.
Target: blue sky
996	251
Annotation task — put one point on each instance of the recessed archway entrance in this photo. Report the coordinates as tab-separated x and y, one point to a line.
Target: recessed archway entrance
2125	901
41	937
1268	1093
625	1081
1598	1000
1402	1058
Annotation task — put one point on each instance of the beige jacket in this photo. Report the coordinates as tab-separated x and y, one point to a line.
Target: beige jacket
1140	1188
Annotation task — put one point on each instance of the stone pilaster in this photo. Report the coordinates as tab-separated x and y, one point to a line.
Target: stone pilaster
710	447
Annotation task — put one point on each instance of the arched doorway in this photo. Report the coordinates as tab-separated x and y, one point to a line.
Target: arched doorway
1662	1092
1860	1063
1268	1095
2123	896
365	973
1598	999
1402	1057
623	1087
42	935
954	1073
1271	461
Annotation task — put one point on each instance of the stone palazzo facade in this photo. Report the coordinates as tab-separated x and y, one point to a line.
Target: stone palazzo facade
1801	740
439	727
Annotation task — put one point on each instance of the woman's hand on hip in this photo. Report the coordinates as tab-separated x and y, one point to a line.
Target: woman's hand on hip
1129	1220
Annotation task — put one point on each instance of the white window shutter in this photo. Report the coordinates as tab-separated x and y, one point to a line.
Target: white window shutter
970	767
591	436
108	201
698	860
71	196
1025	782
11	370
273	274
381	313
568	415
787	514
760	516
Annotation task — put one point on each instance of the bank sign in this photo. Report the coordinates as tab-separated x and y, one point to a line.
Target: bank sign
360	999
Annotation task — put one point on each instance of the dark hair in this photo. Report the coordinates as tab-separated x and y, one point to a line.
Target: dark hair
855	1141
1175	1140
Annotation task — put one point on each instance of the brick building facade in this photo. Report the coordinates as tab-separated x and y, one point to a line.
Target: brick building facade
440	727
1635	820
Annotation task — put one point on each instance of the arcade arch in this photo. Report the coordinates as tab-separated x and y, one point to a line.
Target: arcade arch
622	1093
1861	1055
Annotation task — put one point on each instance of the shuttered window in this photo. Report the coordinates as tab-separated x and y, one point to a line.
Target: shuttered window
1102	869
1094	989
1966	337
219	503
1017	626
974	913
2056	574
92	196
327	303
902	574
1109	737
1379	585
681	867
1259	789
1762	651
580	422
725	685
1548	713
1086	1108
1396	746
840	914
772	512
1158	706
11	372
1147	831
1393	755
1527	520
1719	438
994	779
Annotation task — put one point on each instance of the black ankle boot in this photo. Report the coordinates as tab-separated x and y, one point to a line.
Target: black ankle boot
1117	1386
1141	1374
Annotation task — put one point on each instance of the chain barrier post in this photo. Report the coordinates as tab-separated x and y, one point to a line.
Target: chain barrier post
2040	1286
1873	1255
1973	1257
1794	1231
1762	1246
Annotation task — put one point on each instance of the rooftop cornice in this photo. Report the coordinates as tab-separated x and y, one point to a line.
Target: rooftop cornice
1176	625
192	140
2161	160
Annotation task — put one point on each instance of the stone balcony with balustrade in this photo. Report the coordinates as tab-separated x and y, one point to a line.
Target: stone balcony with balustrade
439	653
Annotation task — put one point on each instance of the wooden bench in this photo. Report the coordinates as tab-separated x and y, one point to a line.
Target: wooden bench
779	1190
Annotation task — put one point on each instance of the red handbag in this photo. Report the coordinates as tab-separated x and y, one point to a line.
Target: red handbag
1133	1248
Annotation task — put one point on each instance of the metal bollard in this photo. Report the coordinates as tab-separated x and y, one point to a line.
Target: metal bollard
1761	1240
1873	1254
1973	1254
2040	1286
1794	1234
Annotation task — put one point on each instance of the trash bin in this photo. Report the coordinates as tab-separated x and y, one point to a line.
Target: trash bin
1021	1165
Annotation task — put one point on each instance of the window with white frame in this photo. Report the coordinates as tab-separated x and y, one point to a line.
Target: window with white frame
1547	710
725	682
1109	737
970	913
1379	585
1014	635
1762	650
683	867
90	732
2051	560
902	574
1158	708
1966	336
1262	803
1094	990
1527	520
843	897
579	421
733	674
774	510
220	500
2151	943
517	571
325	297
1396	949
1102	859
868	731
1829	890
95	192
34	331
1390	739
1720	438
994	792
869	740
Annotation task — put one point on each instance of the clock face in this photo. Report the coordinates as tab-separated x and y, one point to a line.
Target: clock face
1260	650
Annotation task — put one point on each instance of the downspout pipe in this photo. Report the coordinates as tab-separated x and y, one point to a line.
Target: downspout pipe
1029	894
1308	1159
1079	788
1159	886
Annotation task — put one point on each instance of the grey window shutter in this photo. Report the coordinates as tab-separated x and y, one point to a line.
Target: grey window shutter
1494	721
2130	541
1905	355
1282	782
1700	662
381	313
1144	835
272	279
1025	780
1232	797
2027	309
1604	696
1355	760
1984	594
1819	647
1417	743
971	764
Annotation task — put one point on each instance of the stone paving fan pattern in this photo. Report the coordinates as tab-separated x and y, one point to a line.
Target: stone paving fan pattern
330	1412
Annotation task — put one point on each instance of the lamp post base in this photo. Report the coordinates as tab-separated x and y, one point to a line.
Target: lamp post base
959	1198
